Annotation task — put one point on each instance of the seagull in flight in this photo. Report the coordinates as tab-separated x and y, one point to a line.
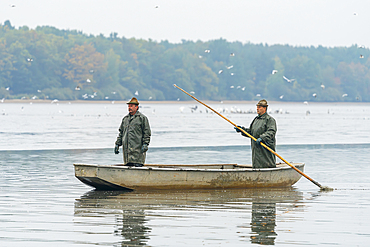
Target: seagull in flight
288	80
314	95
207	51
274	71
322	86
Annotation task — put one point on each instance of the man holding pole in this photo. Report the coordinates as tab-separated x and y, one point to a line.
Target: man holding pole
263	128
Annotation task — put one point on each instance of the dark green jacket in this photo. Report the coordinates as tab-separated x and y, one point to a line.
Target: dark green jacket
133	133
263	127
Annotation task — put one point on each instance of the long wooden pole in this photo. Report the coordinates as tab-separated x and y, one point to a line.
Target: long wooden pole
254	139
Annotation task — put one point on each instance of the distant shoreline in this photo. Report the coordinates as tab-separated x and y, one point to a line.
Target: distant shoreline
142	102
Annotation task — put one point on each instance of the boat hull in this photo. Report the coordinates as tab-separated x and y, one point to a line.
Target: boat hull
162	177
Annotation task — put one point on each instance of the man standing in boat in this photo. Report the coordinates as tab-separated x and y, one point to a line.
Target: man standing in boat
263	128
134	136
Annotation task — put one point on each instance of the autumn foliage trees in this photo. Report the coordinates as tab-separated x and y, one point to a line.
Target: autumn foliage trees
67	64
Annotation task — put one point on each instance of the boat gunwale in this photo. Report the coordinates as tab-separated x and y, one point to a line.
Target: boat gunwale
184	168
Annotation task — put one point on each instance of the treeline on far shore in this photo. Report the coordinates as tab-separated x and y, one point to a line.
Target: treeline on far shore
48	63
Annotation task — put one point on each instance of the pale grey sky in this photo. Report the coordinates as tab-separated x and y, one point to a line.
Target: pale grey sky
294	22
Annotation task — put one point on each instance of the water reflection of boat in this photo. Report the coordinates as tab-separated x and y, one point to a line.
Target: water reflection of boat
132	211
209	176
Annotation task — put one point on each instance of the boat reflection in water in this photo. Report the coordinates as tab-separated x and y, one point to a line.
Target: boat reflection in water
190	217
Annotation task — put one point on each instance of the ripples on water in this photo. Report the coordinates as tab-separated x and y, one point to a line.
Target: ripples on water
43	204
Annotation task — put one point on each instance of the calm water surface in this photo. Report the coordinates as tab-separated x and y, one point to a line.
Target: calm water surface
43	204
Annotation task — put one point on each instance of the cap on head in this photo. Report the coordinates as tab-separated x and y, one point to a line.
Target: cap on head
263	103
133	101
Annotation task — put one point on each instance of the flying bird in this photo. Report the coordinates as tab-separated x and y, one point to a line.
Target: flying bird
230	67
258	95
231	86
314	95
88	80
344	95
231	73
281	96
7	89
137	93
207	51
322	86
361	56
29	59
274	71
232	54
220	71
288	80
192	92
77	88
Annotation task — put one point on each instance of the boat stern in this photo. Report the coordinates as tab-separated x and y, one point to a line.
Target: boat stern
88	174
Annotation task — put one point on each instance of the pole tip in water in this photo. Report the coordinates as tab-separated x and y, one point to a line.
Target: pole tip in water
174	85
326	188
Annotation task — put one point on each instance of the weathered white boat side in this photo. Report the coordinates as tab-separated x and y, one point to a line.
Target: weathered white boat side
158	177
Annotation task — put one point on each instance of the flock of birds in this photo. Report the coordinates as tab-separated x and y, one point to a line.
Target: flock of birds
273	72
232	110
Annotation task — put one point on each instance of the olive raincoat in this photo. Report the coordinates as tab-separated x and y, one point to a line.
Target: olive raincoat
133	133
263	127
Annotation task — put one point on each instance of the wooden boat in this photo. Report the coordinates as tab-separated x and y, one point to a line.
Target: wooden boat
200	176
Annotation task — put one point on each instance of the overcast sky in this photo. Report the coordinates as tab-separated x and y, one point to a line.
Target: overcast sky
294	22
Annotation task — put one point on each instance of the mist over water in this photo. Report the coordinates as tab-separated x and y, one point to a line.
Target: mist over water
43	204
